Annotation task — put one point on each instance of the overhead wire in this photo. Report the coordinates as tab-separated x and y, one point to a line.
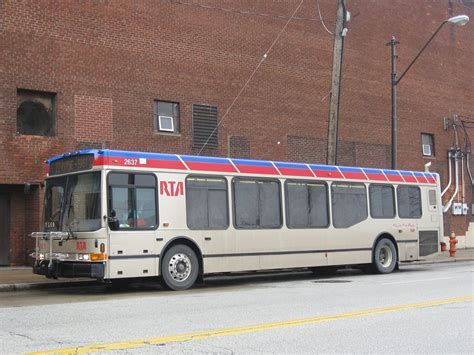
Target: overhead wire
250	77
322	21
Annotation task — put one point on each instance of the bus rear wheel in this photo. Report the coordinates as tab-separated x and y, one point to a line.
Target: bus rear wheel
179	267
385	257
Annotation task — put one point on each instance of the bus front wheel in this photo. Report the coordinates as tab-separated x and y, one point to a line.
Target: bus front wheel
385	257
179	267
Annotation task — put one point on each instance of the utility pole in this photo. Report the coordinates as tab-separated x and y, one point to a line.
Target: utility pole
393	43
336	83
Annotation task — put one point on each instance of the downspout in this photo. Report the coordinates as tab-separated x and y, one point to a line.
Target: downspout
456	169
450	174
468	168
462	178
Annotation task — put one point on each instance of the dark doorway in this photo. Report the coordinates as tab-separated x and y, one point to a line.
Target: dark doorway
4	230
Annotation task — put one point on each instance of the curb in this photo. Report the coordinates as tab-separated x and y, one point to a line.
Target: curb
424	262
44	285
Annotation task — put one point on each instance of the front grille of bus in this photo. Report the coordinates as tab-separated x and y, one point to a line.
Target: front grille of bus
428	242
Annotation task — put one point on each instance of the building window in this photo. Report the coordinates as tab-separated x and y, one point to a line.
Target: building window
427	145
35	113
206	203
205	127
166	117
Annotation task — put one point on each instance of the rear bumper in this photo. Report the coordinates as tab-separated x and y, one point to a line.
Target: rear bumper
69	269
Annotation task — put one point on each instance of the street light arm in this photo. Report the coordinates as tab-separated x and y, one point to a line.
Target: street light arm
421	51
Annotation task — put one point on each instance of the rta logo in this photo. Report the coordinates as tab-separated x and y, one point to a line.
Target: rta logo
172	188
81	245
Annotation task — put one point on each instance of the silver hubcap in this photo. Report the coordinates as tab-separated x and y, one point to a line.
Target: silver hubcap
385	256
179	267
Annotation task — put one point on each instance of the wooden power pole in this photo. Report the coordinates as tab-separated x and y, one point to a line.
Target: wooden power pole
336	83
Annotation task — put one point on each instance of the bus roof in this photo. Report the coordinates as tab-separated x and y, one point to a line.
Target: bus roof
120	158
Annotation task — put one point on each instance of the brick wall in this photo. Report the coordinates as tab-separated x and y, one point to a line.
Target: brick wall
107	61
97	110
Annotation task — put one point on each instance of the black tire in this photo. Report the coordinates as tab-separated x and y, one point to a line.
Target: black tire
385	257
179	268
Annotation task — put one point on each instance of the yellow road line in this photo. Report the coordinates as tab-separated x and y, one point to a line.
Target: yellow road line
130	344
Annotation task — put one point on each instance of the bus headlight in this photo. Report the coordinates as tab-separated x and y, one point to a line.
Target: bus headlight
82	256
92	257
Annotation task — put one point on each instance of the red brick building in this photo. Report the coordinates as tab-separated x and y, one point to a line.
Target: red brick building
98	73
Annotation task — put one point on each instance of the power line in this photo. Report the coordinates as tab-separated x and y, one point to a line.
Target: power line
250	77
322	21
241	12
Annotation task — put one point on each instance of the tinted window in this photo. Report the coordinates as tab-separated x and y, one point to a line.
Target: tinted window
133	199
257	203
349	204
306	205
409	202
206	203
382	201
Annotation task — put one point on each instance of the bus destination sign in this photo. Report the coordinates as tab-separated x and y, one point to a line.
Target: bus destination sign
71	164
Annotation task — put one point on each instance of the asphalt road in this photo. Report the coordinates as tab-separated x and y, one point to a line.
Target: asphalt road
421	308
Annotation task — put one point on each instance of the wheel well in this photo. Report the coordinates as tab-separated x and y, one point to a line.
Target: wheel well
185	241
389	237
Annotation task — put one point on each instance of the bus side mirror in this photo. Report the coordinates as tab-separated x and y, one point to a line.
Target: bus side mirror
113	221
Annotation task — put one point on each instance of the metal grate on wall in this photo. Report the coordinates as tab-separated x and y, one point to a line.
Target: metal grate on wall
428	242
239	147
205	127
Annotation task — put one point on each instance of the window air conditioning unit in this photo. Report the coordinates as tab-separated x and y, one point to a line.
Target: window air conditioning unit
426	149
166	123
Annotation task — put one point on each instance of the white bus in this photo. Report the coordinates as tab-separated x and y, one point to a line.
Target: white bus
112	214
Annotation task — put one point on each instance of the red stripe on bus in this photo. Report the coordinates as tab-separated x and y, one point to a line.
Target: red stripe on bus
378	177
250	169
394	178
409	178
328	174
224	168
351	175
295	172
421	179
150	163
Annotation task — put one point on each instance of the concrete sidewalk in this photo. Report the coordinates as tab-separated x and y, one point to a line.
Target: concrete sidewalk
22	278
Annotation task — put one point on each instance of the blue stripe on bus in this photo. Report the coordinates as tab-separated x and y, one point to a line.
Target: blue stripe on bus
291	165
210	160
252	162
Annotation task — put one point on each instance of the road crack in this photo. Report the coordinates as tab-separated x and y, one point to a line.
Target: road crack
21	335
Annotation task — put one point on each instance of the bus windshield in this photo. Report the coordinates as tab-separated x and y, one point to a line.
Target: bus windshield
72	203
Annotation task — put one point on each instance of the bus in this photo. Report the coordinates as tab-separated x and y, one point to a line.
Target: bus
115	215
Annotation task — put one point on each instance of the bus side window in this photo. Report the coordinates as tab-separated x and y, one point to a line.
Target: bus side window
409	201
349	204
432	200
306	204
257	203
133	199
206	203
382	201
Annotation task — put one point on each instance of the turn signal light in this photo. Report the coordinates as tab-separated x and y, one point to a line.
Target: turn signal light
102	247
98	256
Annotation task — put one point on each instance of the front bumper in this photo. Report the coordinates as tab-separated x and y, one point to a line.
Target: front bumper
69	269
